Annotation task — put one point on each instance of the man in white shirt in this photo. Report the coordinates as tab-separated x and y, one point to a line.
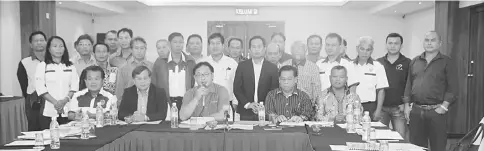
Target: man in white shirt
372	77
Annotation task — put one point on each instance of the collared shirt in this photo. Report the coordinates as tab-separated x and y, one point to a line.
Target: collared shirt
238	59
285	56
213	102
58	80
176	76
124	77
85	101
297	104
347	57
433	82
117	59
372	77
325	67
329	106
28	66
199	59
80	64
110	75
257	71
224	73
397	73
308	77
143	101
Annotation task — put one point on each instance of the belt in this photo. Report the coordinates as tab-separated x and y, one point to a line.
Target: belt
427	107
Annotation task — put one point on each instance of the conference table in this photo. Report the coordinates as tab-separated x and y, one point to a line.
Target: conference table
12	118
160	137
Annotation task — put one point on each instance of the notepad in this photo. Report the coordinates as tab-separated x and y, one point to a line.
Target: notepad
26	143
387	134
309	123
151	122
338	147
377	124
343	126
405	146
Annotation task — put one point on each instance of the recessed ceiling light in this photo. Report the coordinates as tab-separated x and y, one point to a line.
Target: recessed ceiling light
395	11
419	3
60	3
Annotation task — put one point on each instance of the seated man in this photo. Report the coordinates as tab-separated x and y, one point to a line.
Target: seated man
207	99
331	105
92	79
143	100
288	103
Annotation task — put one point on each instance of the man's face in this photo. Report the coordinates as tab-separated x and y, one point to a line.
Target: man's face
112	41
314	46
235	48
84	47
287	80
203	76
280	41
101	53
299	52
364	51
432	42
124	39
194	45
338	78
163	49
332	46
215	46
94	80
177	44
139	50
273	54
394	44
38	43
257	49
142	80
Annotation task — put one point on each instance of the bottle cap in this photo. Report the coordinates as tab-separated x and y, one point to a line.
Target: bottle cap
261	103
174	103
367	113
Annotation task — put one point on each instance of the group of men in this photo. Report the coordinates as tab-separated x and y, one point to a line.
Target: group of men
294	87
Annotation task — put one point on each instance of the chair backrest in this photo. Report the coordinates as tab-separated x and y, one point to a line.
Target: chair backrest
478	137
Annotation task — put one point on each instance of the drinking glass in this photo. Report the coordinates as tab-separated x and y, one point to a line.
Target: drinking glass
92	130
384	145
39	141
317	129
128	119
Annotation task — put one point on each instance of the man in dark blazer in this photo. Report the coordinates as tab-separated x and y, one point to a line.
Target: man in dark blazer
254	78
174	74
144	100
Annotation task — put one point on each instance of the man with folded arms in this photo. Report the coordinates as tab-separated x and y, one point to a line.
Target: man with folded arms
207	99
287	103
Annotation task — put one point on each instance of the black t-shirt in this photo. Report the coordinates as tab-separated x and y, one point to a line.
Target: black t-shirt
397	73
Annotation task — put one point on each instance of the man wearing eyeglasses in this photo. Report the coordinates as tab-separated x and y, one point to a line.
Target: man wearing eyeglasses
207	99
84	48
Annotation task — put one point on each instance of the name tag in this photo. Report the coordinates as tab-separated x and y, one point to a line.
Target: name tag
49	71
68	70
112	78
321	72
371	74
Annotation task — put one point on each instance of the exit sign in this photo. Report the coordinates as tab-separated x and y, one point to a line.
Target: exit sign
246	11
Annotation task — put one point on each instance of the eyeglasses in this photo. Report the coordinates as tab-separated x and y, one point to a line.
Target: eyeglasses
205	75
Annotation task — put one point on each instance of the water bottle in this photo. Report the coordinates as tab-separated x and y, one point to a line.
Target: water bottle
174	116
357	110
99	115
85	126
366	125
114	114
350	120
54	134
262	113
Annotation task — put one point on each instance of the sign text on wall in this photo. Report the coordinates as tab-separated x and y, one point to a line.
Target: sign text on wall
246	11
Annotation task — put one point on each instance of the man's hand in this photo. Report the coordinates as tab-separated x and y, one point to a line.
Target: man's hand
296	119
280	118
254	106
71	116
377	115
401	107
407	111
200	92
139	117
440	110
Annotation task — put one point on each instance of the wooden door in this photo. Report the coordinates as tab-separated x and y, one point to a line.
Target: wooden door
264	29
475	106
229	29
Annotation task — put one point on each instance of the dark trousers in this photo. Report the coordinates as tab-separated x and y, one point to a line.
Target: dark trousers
248	115
428	126
45	121
32	111
370	107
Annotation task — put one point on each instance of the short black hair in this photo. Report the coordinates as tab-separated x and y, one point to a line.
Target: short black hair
173	35
82	83
335	35
394	35
112	31
340	67
193	36
137	39
83	37
129	31
315	36
216	35
139	69
200	64
344	42
257	37
102	44
288	68
36	33
238	39
278	34
65	57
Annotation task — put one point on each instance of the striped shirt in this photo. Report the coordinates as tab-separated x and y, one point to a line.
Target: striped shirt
297	104
213	102
329	106
110	74
308	77
80	64
124	78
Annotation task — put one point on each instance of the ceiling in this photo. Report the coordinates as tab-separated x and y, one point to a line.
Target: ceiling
386	8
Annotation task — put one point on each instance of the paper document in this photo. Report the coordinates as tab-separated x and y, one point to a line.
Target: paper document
309	123
26	143
233	126
343	126
377	124
151	122
338	147
7	96
404	146
387	134
251	122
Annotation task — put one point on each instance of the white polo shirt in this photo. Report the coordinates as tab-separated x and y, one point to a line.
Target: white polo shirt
224	73
372	77
57	80
325	67
30	65
177	78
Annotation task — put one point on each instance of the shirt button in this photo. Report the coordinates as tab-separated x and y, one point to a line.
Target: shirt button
287	104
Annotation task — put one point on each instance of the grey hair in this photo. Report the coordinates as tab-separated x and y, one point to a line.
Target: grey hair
161	41
365	40
299	44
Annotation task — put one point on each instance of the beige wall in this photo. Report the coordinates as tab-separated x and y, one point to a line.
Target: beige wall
10	51
416	25
71	24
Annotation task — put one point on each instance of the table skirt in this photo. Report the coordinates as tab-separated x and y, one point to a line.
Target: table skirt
12	119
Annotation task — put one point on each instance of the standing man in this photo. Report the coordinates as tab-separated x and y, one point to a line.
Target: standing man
254	78
194	47
372	77
333	44
273	54
124	78
280	39
112	41
315	44
26	78
235	49
85	58
163	48
308	79
431	86
123	56
174	74
396	66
